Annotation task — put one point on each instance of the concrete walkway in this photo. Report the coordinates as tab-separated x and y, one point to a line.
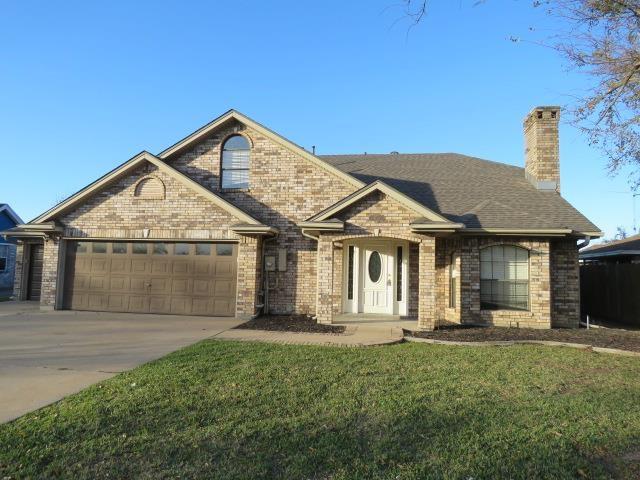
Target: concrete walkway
356	335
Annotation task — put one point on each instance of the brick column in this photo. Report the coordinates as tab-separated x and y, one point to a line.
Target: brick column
427	284
50	268
540	284
249	274
470	281
324	283
565	284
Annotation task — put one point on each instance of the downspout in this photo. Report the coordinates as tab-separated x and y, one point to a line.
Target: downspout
584	243
308	235
264	308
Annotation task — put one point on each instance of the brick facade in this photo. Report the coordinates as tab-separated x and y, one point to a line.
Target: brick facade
116	212
285	189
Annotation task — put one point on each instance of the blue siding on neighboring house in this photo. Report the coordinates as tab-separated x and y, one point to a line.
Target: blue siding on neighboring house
8	248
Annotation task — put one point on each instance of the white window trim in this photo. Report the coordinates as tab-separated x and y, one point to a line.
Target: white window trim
354	305
223	169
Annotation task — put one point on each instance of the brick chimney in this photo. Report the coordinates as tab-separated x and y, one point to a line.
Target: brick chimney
541	148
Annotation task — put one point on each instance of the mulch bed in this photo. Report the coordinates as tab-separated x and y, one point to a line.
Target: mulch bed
290	323
598	337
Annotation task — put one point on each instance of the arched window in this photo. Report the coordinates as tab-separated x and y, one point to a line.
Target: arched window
504	278
150	188
235	163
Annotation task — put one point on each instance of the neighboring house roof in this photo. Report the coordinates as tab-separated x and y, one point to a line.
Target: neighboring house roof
130	165
626	246
7	210
481	194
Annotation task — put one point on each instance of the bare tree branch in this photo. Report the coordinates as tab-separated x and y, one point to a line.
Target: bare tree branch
602	38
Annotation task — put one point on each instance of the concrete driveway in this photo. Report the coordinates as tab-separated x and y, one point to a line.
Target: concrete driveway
45	356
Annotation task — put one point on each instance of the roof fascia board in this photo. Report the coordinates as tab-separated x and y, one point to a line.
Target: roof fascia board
267	133
336	226
129	165
419	227
381	186
591	234
255	229
613	253
41	227
520	231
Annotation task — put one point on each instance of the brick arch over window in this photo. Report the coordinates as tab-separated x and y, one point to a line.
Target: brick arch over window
151	188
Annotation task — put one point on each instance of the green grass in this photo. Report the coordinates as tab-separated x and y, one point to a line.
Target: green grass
246	410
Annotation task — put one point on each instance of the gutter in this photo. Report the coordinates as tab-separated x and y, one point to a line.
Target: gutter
308	235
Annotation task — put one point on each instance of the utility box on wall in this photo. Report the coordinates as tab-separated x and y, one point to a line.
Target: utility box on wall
282	259
270	263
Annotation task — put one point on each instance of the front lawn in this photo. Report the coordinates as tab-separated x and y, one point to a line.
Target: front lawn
251	410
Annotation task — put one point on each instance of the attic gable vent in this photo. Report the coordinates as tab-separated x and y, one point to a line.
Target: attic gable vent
150	188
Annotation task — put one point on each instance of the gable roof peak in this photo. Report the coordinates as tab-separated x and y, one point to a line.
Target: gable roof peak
128	166
196	136
380	186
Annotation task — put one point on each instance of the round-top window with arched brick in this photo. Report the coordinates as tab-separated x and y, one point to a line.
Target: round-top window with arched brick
149	188
235	162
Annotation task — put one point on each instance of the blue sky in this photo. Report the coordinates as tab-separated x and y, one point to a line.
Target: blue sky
86	85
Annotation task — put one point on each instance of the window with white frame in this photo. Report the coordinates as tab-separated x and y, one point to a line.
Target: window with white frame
504	278
4	257
235	163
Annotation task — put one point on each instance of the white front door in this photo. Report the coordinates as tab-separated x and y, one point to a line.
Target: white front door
376	274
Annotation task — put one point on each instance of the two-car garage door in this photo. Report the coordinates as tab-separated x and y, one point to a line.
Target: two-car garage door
151	277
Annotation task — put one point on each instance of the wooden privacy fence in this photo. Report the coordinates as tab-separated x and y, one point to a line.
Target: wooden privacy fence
611	292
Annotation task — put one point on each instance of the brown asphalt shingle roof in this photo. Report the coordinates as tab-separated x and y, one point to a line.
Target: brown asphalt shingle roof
476	192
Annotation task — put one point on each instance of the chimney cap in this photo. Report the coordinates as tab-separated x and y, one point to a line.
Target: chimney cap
538	113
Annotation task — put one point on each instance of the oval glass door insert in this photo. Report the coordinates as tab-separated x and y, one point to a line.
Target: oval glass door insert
375	267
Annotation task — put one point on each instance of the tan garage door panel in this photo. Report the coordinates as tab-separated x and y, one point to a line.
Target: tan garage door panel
151	277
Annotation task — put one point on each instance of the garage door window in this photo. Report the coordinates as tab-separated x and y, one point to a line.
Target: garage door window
203	249
99	247
82	247
181	249
119	247
224	250
140	248
160	249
